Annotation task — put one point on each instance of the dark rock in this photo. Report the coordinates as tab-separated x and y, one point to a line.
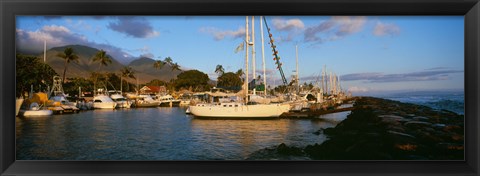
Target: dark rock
379	129
420	118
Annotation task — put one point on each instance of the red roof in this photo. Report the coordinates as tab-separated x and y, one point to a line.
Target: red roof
153	89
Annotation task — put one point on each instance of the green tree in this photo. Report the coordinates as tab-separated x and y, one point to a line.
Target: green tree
73	84
113	81
68	55
103	59
31	71
230	81
192	79
168	60
156	82
174	66
128	73
239	72
219	70
158	64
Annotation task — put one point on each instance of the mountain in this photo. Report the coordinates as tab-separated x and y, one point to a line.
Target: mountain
143	67
146	66
85	63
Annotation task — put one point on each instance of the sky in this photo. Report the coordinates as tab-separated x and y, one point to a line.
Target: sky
368	53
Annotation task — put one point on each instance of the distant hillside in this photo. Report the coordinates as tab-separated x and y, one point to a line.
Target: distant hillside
146	66
85	63
143	67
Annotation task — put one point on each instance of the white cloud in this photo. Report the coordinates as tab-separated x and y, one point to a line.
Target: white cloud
287	25
219	34
356	89
32	41
335	28
382	29
53	34
349	25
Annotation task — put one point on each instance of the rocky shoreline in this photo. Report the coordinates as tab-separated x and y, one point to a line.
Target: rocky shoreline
381	129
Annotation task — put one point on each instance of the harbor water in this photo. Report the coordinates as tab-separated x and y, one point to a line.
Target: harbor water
158	134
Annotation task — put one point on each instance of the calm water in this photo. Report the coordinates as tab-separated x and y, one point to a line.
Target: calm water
157	134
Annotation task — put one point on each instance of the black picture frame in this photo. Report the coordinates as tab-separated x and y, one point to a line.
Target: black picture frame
470	9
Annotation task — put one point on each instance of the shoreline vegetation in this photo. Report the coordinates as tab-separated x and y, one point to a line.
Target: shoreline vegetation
381	129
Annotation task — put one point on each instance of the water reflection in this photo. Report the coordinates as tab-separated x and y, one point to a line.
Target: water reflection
157	134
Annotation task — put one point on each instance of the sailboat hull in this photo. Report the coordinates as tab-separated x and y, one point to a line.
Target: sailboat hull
235	110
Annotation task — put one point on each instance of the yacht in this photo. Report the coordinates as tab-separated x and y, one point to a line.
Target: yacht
168	101
102	101
121	101
145	100
58	102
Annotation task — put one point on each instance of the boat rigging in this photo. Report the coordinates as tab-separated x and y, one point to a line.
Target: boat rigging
275	53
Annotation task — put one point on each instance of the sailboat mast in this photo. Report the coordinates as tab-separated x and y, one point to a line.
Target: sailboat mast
298	81
263	58
254	75
45	51
246	59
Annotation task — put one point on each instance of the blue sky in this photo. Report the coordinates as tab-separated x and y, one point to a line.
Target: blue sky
369	53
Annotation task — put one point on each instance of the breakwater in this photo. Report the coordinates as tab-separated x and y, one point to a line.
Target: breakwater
380	129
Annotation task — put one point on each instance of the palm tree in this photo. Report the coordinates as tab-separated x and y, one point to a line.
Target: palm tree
69	55
168	60
219	70
158	64
175	66
239	72
126	72
101	57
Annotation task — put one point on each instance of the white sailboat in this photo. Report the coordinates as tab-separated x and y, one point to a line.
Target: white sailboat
237	109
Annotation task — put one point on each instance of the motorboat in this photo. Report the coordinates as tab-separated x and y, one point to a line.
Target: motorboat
83	104
121	101
58	102
145	100
35	110
102	101
184	102
168	101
